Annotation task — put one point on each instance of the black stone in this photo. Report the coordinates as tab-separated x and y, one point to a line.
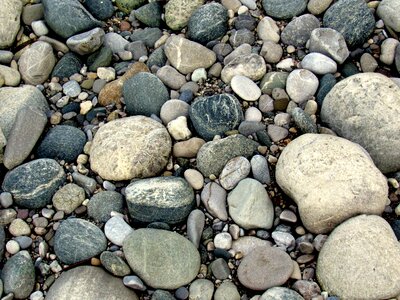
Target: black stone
102	204
68	65
95	112
157	58
264	138
245	22
71	107
100	9
396	228
303	121
148	35
326	83
242	36
150	14
249	127
284	9
159	225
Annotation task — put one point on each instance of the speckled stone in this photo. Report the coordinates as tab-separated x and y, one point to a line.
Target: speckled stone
284	9
102	204
178	12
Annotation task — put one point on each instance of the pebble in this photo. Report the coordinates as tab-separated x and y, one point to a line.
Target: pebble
194	178
272	52
301	85
252	66
171	77
245	88
223	241
68	198
116	230
195	226
283	240
388	49
298	31
173	109
11	13
199	75
387	11
6	199
303	121
267	30
252	114
260	170
319	64
201	289
220	269
107	74
72	89
10	76
213	197
277	133
234	171
12	247
178	129
277	293
227	290
317	7
189	148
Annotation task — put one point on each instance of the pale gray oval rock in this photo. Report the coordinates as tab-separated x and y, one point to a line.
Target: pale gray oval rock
301	85
234	171
86	42
245	88
341	267
330	42
227	290
252	66
195	226
319	64
267	30
171	77
116	230
260	170
331	179
213	197
280	293
201	289
115	42
10	22
246	244
173	109
388	11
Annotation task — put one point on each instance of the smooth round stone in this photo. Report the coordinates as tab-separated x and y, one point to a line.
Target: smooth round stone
388	50
214	115
24	241
284	240
171	77
298	31
240	37
280	293
11	12
12	247
18	275
273	80
195	226
245	22
149	36
39	28
102	204
253	114
201	289
344	253
267	30
72	88
213	197
68	65
77	240
68	198
199	75
387	12
326	83
245	88
227	290
91	283
19	227
244	49
62	142
173	109
194	178
34	183
234	171
160	199
207	23
116	230
101	10
284	10
260	170
355	184
86	42
359	106
115	42
301	85
114	264
249	127
134	282
223	241
162	259
277	133
265	267
352	18
178	129
252	66
178	12
162	295
271	52
220	269
149	142
250	206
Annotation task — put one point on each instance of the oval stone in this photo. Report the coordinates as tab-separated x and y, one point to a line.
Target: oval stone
10	22
245	88
319	64
284	9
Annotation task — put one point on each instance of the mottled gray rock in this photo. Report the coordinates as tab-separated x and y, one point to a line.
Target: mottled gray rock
213	197
9	22
298	31
114	264
388	12
227	291
201	289
101	10
280	293
68	198
68	65
273	80
86	42
102	204
150	14
329	42
178	12
301	85
234	171
303	121
252	66
171	78
284	10
260	170
115	42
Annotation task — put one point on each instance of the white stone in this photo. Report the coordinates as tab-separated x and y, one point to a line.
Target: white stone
223	240
245	88
253	114
178	129
319	64
286	64
301	85
199	75
267	30
107	74
116	230
39	28
388	11
329	42
12	247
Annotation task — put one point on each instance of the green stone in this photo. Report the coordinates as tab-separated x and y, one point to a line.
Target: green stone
128	5
101	58
273	80
178	12
114	264
150	14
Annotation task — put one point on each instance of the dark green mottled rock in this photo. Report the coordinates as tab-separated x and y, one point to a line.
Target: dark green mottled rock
114	264
273	80
303	121
144	94
162	295
102	204
213	156
89	283
326	83
160	199
100	9
62	142
149	36
128	5
349	69
352	18
284	9
77	240
68	65
2	242
18	275
157	58
397	58
215	115
264	138
150	14
68	17
207	23
298	31
33	184
162	259
101	58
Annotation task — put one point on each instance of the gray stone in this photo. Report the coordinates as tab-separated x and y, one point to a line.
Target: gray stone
138	49
86	42
284	10
6	57
101	58
71	89
267	30
241	37
220	269
260	170
161	258
171	77
317	7
102	204
319	64
127	6
273	80
298	31
245	88
201	289
157	58
387	11
359	107
90	283
150	14
173	109
388	51
271	52
101	10
249	127
32	12
227	291
11	76
160	199
68	65
213	197
77	240
116	230
68	198
178	12
134	282
149	36
34	183
215	115
301	85
88	184
9	22
195	226
326	83
114	264
277	133
244	49
303	121
252	66
162	295
2	242
234	171
115	42
280	293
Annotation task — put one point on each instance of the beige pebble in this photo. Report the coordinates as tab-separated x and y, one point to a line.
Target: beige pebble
194	178
178	129
85	106
19	227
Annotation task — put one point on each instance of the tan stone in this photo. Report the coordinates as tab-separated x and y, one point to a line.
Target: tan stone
189	148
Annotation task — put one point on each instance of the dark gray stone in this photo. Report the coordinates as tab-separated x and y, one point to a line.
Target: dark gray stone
326	83
220	269
160	199
128	5
397	58
249	127
137	48
150	14
68	17
24	241
114	264
214	115
207	23
18	275
89	283
284	9
102	204
33	184
349	69
352	18
242	36
157	58
148	35
101	58
101	10
2	242
303	121
144	94
77	240
162	295
68	65
245	22
298	31
213	156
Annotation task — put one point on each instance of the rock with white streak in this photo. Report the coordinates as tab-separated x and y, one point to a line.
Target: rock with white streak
330	42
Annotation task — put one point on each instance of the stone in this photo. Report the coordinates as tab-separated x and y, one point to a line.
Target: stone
388	51
277	133
90	283
149	36
373	237
162	259
101	10
194	178
329	42
244	49
298	31
280	293
19	227
150	14
178	12
33	12
162	295
273	80
223	240
127	6
102	204
10	22
116	230
68	17
252	66
149	144
6	57
62	142
86	42
171	77
213	197
253	114
319	64
77	240
227	291
245	88
260	169
34	183
265	267
36	63
18	275
115	42
207	23
68	65
349	168
352	18
173	109
144	94
2	241
240	37
68	198
301	85
114	264
303	121
387	12
101	58
215	115
326	83
234	171
71	89
201	289
267	30
271	52
189	148
374	103
157	58
11	76
160	199
284	10
39	28
220	269
195	226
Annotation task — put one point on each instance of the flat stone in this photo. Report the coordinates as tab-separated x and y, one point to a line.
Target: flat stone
150	14
90	283
68	198
149	36
271	52
189	148
161	258
68	65
195	226
102	204
284	10
234	171
116	230
355	185
86	42
387	12
114	264
252	66
344	253
220	268
277	133
6	57
115	42
244	49
33	12
260	170
101	10
245	88
319	64
329	42
19	227
160	199
227	290
9	22
213	197
301	85
77	240
201	289
34	183
280	293
178	12
173	109
298	31
120	163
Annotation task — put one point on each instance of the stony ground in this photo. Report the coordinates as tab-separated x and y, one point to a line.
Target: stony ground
191	149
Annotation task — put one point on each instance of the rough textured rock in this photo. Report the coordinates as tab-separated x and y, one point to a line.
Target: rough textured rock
331	179
102	204
280	293
364	108
358	240
68	198
284	9
68	65
252	66
90	283
129	148
162	259
388	12
178	12
9	22
298	31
